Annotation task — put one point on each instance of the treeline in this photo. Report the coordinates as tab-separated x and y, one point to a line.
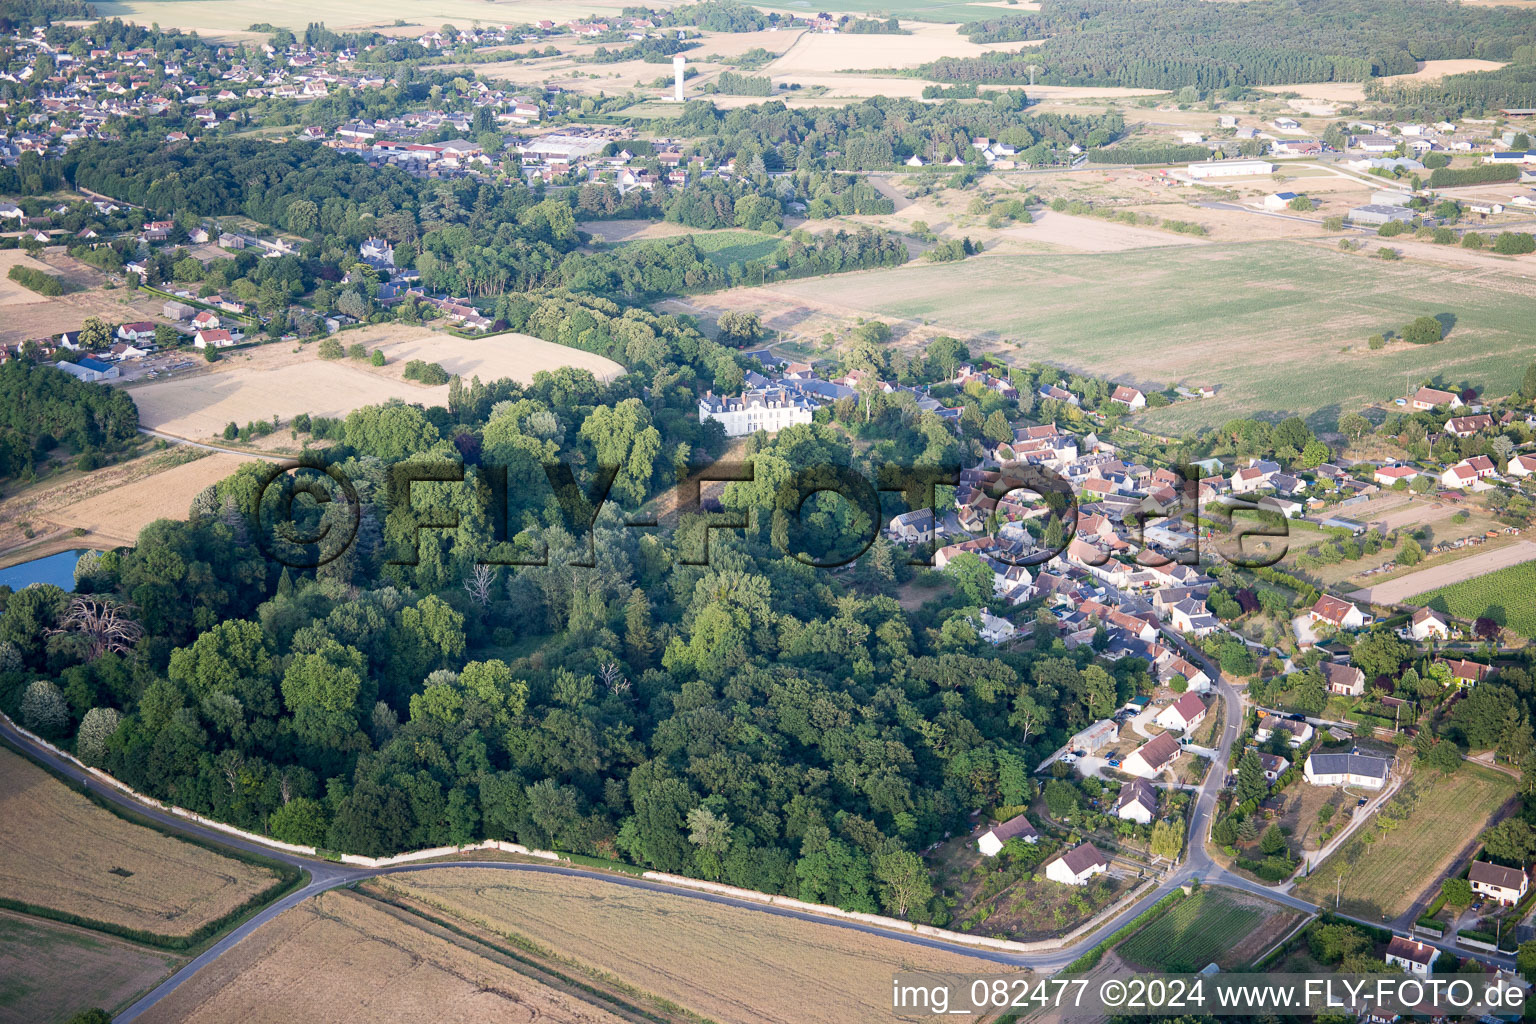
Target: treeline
676	266
732	83
709	15
874	27
31	277
41	406
1149	154
1481	174
1170	44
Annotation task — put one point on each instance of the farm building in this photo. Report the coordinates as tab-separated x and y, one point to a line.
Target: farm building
89	370
1376	214
1229	169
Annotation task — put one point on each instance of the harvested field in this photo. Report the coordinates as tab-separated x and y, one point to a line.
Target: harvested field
119	514
274	380
743	966
1221	926
341	958
1278	326
14	293
815	53
61	851
1094	234
1463	569
1433	70
1332	92
1381	879
50	971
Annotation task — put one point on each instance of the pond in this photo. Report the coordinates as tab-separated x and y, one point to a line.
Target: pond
58	569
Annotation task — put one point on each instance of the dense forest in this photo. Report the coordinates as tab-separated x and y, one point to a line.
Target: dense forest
41	406
1476	92
750	719
1169	44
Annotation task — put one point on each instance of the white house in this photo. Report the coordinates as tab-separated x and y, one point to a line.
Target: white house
1411	955
991	842
1137	802
1152	757
1507	885
915	527
1429	398
1468	472
1346	770
141	330
1521	465
1130	397
995	630
1429	623
1300	732
1339	613
770	409
1386	476
1183	714
217	339
1344	680
1077	865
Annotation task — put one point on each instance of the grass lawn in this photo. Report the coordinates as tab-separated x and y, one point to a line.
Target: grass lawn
1504	595
1279	327
1203	929
1383	872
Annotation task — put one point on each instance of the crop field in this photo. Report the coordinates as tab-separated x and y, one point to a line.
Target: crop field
1507	595
1279	327
341	957
1206	928
14	293
1381	878
273	380
51	971
120	513
743	967
61	851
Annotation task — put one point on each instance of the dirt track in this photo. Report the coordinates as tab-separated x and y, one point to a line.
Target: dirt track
1404	587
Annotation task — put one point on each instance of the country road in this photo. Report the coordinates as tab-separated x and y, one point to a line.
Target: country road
325	875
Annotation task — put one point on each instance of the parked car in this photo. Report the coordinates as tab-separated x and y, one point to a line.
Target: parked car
1297	716
1114	762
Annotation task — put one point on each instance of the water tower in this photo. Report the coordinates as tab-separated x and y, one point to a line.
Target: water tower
678	62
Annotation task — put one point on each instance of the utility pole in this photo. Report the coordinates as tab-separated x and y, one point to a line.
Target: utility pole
1338	890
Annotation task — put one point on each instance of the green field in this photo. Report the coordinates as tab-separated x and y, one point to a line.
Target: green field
1380	879
1507	596
1280	327
723	248
1196	932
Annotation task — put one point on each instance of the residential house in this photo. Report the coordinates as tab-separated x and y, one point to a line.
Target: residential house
991	841
1521	465
1344	680
1130	397
1137	802
1428	623
1467	673
1468	472
1339	613
915	527
1386	476
1184	714
995	630
1411	955
205	321
1077	865
141	330
1300	732
219	338
1466	426
1507	885
1152	757
1430	398
1346	770
1274	765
